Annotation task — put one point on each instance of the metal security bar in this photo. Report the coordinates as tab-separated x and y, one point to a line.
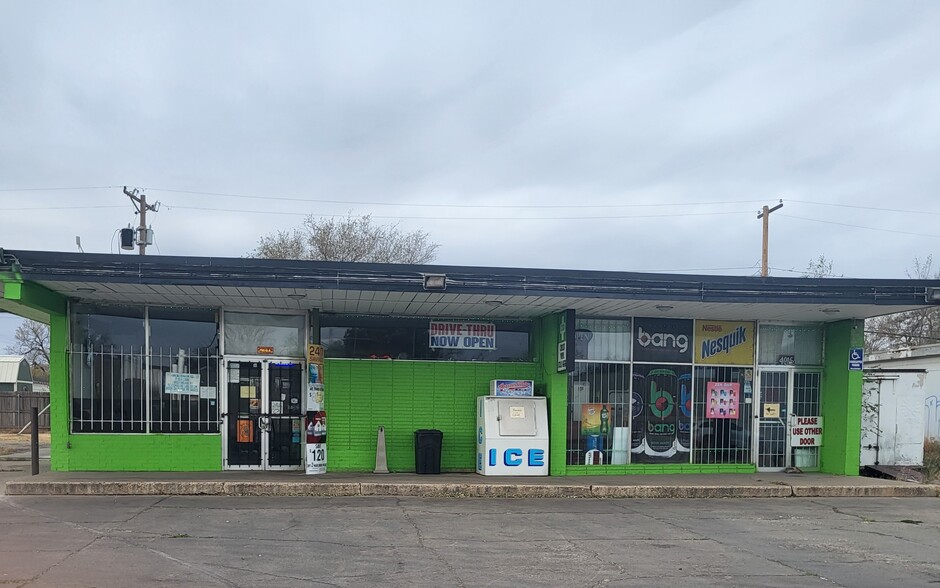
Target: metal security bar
772	442
124	390
599	414
722	437
108	390
184	390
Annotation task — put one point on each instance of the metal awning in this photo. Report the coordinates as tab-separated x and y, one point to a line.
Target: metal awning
479	292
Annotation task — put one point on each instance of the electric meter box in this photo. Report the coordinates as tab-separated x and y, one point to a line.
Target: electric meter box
512	436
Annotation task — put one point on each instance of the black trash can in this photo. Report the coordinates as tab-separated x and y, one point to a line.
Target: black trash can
428	451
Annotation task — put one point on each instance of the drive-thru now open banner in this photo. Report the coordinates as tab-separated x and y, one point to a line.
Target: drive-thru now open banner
461	335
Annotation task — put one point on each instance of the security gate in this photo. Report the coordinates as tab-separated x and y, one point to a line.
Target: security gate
784	395
262	415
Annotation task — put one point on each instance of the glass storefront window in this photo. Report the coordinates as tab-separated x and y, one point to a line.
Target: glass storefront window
599	414
602	340
365	337
184	348
723	415
285	333
107	369
790	345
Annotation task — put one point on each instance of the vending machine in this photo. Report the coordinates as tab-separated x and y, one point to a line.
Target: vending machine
512	436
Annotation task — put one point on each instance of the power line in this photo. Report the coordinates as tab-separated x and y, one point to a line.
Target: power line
866	207
58	189
484	218
436	205
816	220
57	207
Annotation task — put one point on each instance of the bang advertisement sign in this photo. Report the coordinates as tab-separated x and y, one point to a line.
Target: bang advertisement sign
666	420
724	343
662	340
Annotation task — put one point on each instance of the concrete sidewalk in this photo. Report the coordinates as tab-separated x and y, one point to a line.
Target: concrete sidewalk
765	485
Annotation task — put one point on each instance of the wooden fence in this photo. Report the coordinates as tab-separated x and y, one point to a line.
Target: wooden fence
15	409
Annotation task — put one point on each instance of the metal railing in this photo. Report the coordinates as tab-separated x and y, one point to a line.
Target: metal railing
123	389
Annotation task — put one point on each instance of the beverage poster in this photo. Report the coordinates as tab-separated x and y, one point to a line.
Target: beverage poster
684	416
666	420
662	340
724	343
638	413
595	429
722	400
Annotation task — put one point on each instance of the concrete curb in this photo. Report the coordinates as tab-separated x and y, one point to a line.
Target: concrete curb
776	491
450	490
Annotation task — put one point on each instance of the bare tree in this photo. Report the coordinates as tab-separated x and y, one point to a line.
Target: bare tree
351	238
911	328
820	267
31	340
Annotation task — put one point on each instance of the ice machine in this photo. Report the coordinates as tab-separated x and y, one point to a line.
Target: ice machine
512	436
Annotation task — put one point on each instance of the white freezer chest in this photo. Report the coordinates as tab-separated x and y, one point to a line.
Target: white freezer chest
512	436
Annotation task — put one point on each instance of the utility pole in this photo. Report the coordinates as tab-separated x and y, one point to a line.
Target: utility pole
765	214
140	203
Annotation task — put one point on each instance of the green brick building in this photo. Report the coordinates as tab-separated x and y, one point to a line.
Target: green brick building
200	364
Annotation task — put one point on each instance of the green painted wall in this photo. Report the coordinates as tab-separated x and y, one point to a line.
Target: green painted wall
185	453
59	391
556	389
90	452
404	396
841	400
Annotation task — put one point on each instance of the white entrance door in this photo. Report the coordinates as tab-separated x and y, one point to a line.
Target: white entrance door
784	394
262	414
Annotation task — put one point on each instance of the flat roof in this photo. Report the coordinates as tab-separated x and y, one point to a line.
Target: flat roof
494	292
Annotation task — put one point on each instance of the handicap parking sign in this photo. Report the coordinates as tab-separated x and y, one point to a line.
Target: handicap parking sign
856	359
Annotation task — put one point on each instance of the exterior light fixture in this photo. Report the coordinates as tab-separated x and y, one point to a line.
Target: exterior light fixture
435	281
664	307
85	290
296	296
829	310
494	303
933	295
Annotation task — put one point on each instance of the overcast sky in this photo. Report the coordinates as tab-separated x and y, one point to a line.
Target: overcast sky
619	136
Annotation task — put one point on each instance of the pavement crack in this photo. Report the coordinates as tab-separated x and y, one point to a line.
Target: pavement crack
421	542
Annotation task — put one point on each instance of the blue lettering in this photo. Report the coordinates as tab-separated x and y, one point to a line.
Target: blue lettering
512	457
536	458
479	461
492	457
453	341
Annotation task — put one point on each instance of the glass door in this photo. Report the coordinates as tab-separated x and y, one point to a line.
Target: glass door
242	415
262	416
284	413
784	395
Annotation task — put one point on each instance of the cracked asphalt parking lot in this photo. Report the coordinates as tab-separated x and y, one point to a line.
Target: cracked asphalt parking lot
306	541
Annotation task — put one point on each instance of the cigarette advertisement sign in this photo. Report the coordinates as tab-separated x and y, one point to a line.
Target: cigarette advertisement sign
316	443
315	422
724	343
806	431
462	335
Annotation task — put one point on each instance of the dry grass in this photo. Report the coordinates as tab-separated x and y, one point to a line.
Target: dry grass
11	442
931	467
